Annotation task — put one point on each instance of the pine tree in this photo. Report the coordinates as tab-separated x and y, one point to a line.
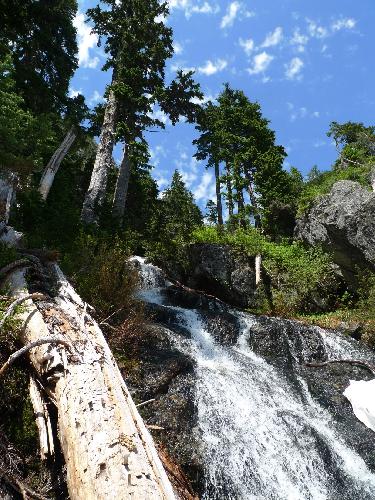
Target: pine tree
43	44
138	43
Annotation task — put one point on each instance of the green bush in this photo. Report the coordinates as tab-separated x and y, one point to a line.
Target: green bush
296	272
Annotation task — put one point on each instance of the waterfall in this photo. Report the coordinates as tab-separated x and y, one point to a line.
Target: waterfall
262	436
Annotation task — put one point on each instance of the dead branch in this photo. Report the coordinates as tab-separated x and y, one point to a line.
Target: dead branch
17	302
14	265
145	403
19	486
354	362
27	348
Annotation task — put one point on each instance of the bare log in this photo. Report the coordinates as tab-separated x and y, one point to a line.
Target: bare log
109	453
14	265
27	348
354	362
54	164
96	192
42	419
18	302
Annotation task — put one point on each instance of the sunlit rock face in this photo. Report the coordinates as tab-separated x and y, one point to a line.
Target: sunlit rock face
241	411
343	222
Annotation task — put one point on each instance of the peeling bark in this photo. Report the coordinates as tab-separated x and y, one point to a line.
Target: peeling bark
55	162
122	186
7	196
108	451
96	192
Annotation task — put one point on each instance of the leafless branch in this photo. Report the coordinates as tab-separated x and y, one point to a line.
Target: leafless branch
27	348
17	302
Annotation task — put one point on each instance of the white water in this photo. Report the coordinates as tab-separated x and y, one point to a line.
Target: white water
262	438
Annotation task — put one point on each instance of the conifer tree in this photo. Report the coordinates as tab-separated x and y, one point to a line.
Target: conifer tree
138	43
43	44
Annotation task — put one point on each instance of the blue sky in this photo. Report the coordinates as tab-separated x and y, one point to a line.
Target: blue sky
306	62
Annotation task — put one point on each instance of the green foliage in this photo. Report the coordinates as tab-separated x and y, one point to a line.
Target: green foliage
235	133
43	44
295	272
177	218
100	270
320	183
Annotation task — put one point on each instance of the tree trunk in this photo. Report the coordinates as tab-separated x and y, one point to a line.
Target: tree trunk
253	200
54	164
219	205
98	185
122	185
258	270
7	182
108	451
229	192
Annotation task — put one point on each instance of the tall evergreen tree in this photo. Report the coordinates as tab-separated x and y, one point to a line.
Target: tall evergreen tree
42	40
235	133
138	43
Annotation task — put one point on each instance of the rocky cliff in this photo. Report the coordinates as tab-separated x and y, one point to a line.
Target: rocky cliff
343	222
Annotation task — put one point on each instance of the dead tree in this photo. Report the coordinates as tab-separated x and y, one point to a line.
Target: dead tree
109	452
54	164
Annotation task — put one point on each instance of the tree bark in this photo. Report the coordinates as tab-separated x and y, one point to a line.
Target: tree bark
7	182
122	185
253	199
258	270
219	205
98	185
229	192
54	164
108	451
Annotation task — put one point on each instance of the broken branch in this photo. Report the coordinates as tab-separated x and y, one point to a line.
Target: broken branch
17	302
27	348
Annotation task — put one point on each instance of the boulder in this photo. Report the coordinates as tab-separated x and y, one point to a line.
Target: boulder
226	274
343	222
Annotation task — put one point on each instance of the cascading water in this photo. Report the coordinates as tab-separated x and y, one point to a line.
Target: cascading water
261	437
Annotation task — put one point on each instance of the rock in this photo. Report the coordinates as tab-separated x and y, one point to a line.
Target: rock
343	222
224	273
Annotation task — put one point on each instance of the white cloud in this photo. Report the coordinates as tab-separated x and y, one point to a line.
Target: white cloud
96	97
299	40
273	38
156	154
315	30
206	189
190	8
234	10
293	69
74	92
178	48
316	114
210	68
205	8
86	40
344	24
158	114
247	45
260	63
204	100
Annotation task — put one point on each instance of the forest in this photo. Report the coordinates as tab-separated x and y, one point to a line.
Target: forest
74	204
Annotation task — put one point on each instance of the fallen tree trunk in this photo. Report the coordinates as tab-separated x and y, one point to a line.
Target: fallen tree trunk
108	451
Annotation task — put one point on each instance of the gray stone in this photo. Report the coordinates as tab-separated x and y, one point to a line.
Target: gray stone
343	222
224	273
